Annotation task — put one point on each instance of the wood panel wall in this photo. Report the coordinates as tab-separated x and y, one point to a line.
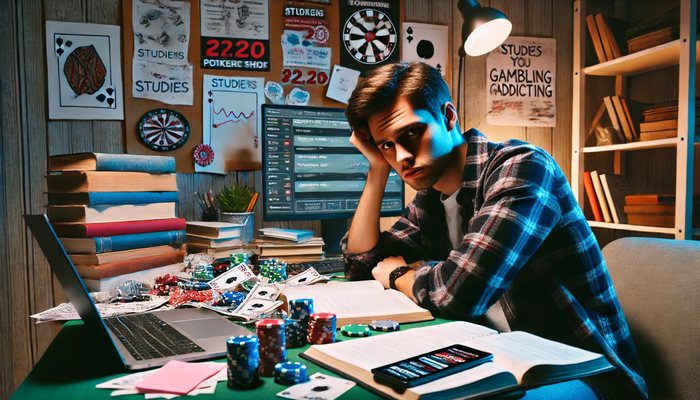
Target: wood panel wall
28	137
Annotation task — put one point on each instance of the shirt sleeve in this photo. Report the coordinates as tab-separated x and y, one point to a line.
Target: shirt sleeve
520	208
403	239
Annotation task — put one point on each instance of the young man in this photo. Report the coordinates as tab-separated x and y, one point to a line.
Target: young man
496	225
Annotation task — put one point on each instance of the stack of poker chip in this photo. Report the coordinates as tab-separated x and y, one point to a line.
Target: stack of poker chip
290	373
238	258
273	344
356	330
295	333
274	271
385	325
243	362
321	328
300	309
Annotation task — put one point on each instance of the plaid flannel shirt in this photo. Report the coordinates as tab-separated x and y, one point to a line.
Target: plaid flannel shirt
527	245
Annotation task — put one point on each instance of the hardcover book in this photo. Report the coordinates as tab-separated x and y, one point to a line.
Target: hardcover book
214	230
601	196
117	228
592	198
213	243
126	267
288	234
520	360
102	198
116	256
110	181
616	187
106	244
223	253
111	213
111	162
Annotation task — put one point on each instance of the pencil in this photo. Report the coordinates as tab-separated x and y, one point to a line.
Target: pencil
254	200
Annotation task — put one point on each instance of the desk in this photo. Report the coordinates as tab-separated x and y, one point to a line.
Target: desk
73	364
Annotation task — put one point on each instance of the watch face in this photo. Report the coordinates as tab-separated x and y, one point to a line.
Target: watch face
369	36
163	129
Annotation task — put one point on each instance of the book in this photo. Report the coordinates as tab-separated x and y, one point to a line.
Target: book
117	256
267	249
659	220
117	228
653	39
223	253
657	135
651	209
147	275
359	302
106	244
126	267
616	187
622	116
102	198
658	125
110	181
614	30
614	119
111	213
111	162
600	195
521	360
633	112
604	39
650	199
213	243
296	259
595	38
214	230
592	198
288	234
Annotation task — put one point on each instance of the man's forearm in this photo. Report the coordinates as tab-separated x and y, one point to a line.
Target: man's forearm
364	230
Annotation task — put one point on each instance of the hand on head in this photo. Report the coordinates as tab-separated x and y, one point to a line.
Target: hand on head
366	145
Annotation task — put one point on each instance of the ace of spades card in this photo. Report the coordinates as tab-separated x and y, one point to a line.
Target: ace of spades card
84	71
425	43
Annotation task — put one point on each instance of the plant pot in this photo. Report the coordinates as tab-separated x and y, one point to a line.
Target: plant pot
246	219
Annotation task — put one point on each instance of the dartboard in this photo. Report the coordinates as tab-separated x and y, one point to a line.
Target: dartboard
163	129
369	36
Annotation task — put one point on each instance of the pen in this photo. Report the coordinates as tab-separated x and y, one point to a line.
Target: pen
254	200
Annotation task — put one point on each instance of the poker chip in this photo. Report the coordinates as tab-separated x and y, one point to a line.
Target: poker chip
322	328
290	373
273	344
295	333
385	325
243	362
203	154
273	270
356	330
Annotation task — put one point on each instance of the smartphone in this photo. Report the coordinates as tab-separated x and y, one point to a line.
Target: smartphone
430	366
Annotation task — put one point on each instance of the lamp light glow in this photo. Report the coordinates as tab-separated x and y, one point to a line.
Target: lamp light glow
484	28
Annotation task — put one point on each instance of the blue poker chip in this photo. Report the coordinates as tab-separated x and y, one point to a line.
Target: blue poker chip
385	325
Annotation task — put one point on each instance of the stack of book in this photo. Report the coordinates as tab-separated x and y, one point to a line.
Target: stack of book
608	35
116	216
221	239
652	32
289	245
623	115
655	210
661	121
606	195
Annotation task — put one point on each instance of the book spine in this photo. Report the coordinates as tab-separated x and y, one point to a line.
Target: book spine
134	163
592	199
126	267
608	197
601	196
100	198
132	227
136	241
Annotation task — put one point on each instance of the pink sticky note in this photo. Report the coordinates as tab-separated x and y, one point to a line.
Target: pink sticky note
179	377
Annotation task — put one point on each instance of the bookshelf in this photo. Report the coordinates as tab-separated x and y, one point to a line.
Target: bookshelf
682	54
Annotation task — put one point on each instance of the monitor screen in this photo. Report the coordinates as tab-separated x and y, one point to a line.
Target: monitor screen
311	170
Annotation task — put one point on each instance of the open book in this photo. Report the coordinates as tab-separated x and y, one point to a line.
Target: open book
521	360
359	302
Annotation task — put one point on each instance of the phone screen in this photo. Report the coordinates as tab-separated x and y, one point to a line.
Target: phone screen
430	366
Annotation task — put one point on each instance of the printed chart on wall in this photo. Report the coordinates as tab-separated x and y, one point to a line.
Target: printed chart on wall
521	82
84	71
369	33
231	124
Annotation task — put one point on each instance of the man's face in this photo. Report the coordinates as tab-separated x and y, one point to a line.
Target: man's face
413	142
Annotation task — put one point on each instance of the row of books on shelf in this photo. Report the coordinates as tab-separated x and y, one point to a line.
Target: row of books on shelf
612	200
613	38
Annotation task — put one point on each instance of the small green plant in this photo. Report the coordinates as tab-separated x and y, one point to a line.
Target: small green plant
234	198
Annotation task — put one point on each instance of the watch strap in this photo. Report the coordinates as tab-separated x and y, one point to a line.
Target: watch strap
396	274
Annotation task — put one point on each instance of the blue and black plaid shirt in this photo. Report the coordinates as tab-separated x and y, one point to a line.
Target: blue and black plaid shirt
527	244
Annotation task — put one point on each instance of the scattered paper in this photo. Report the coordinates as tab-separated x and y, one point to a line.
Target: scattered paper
179	377
126	385
319	386
343	82
66	311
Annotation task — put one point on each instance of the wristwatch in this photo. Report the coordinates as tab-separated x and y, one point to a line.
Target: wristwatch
396	274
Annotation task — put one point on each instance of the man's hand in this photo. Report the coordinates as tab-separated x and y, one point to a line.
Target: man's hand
383	269
368	148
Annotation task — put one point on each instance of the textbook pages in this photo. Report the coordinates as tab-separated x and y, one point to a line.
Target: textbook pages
521	360
359	302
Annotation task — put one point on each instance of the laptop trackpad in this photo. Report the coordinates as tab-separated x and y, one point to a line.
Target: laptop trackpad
207	328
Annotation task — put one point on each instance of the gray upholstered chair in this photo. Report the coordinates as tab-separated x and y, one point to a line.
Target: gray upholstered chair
658	284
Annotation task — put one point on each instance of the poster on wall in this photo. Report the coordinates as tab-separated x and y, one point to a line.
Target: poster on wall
369	33
425	43
235	34
170	84
84	71
521	83
161	31
230	124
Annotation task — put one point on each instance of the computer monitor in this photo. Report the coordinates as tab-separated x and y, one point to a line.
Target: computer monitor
311	171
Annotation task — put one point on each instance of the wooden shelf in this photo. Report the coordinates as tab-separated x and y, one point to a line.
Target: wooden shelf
636	228
658	57
650	144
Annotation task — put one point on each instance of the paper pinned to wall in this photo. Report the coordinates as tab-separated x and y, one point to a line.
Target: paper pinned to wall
161	31
170	84
231	122
343	82
425	43
299	52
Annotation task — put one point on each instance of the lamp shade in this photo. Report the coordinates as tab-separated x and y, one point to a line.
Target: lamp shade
484	28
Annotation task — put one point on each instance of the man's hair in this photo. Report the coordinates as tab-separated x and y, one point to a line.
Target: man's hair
419	83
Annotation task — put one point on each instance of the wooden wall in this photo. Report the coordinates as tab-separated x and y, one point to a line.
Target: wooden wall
28	137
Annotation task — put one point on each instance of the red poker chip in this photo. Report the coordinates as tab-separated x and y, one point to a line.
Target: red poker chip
322	317
203	154
270	323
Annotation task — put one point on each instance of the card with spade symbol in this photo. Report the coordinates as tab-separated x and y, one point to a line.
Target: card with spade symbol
84	71
425	43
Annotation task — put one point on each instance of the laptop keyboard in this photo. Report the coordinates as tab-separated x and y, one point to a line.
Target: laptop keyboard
327	266
146	337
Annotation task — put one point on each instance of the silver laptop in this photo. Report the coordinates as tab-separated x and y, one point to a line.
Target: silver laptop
144	340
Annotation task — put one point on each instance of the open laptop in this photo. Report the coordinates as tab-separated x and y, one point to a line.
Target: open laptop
144	340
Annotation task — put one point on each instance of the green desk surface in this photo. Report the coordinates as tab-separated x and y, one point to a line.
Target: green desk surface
74	363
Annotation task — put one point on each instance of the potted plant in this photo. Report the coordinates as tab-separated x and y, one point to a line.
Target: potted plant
233	202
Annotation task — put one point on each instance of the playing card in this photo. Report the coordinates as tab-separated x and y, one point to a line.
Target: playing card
320	387
425	43
307	277
231	278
